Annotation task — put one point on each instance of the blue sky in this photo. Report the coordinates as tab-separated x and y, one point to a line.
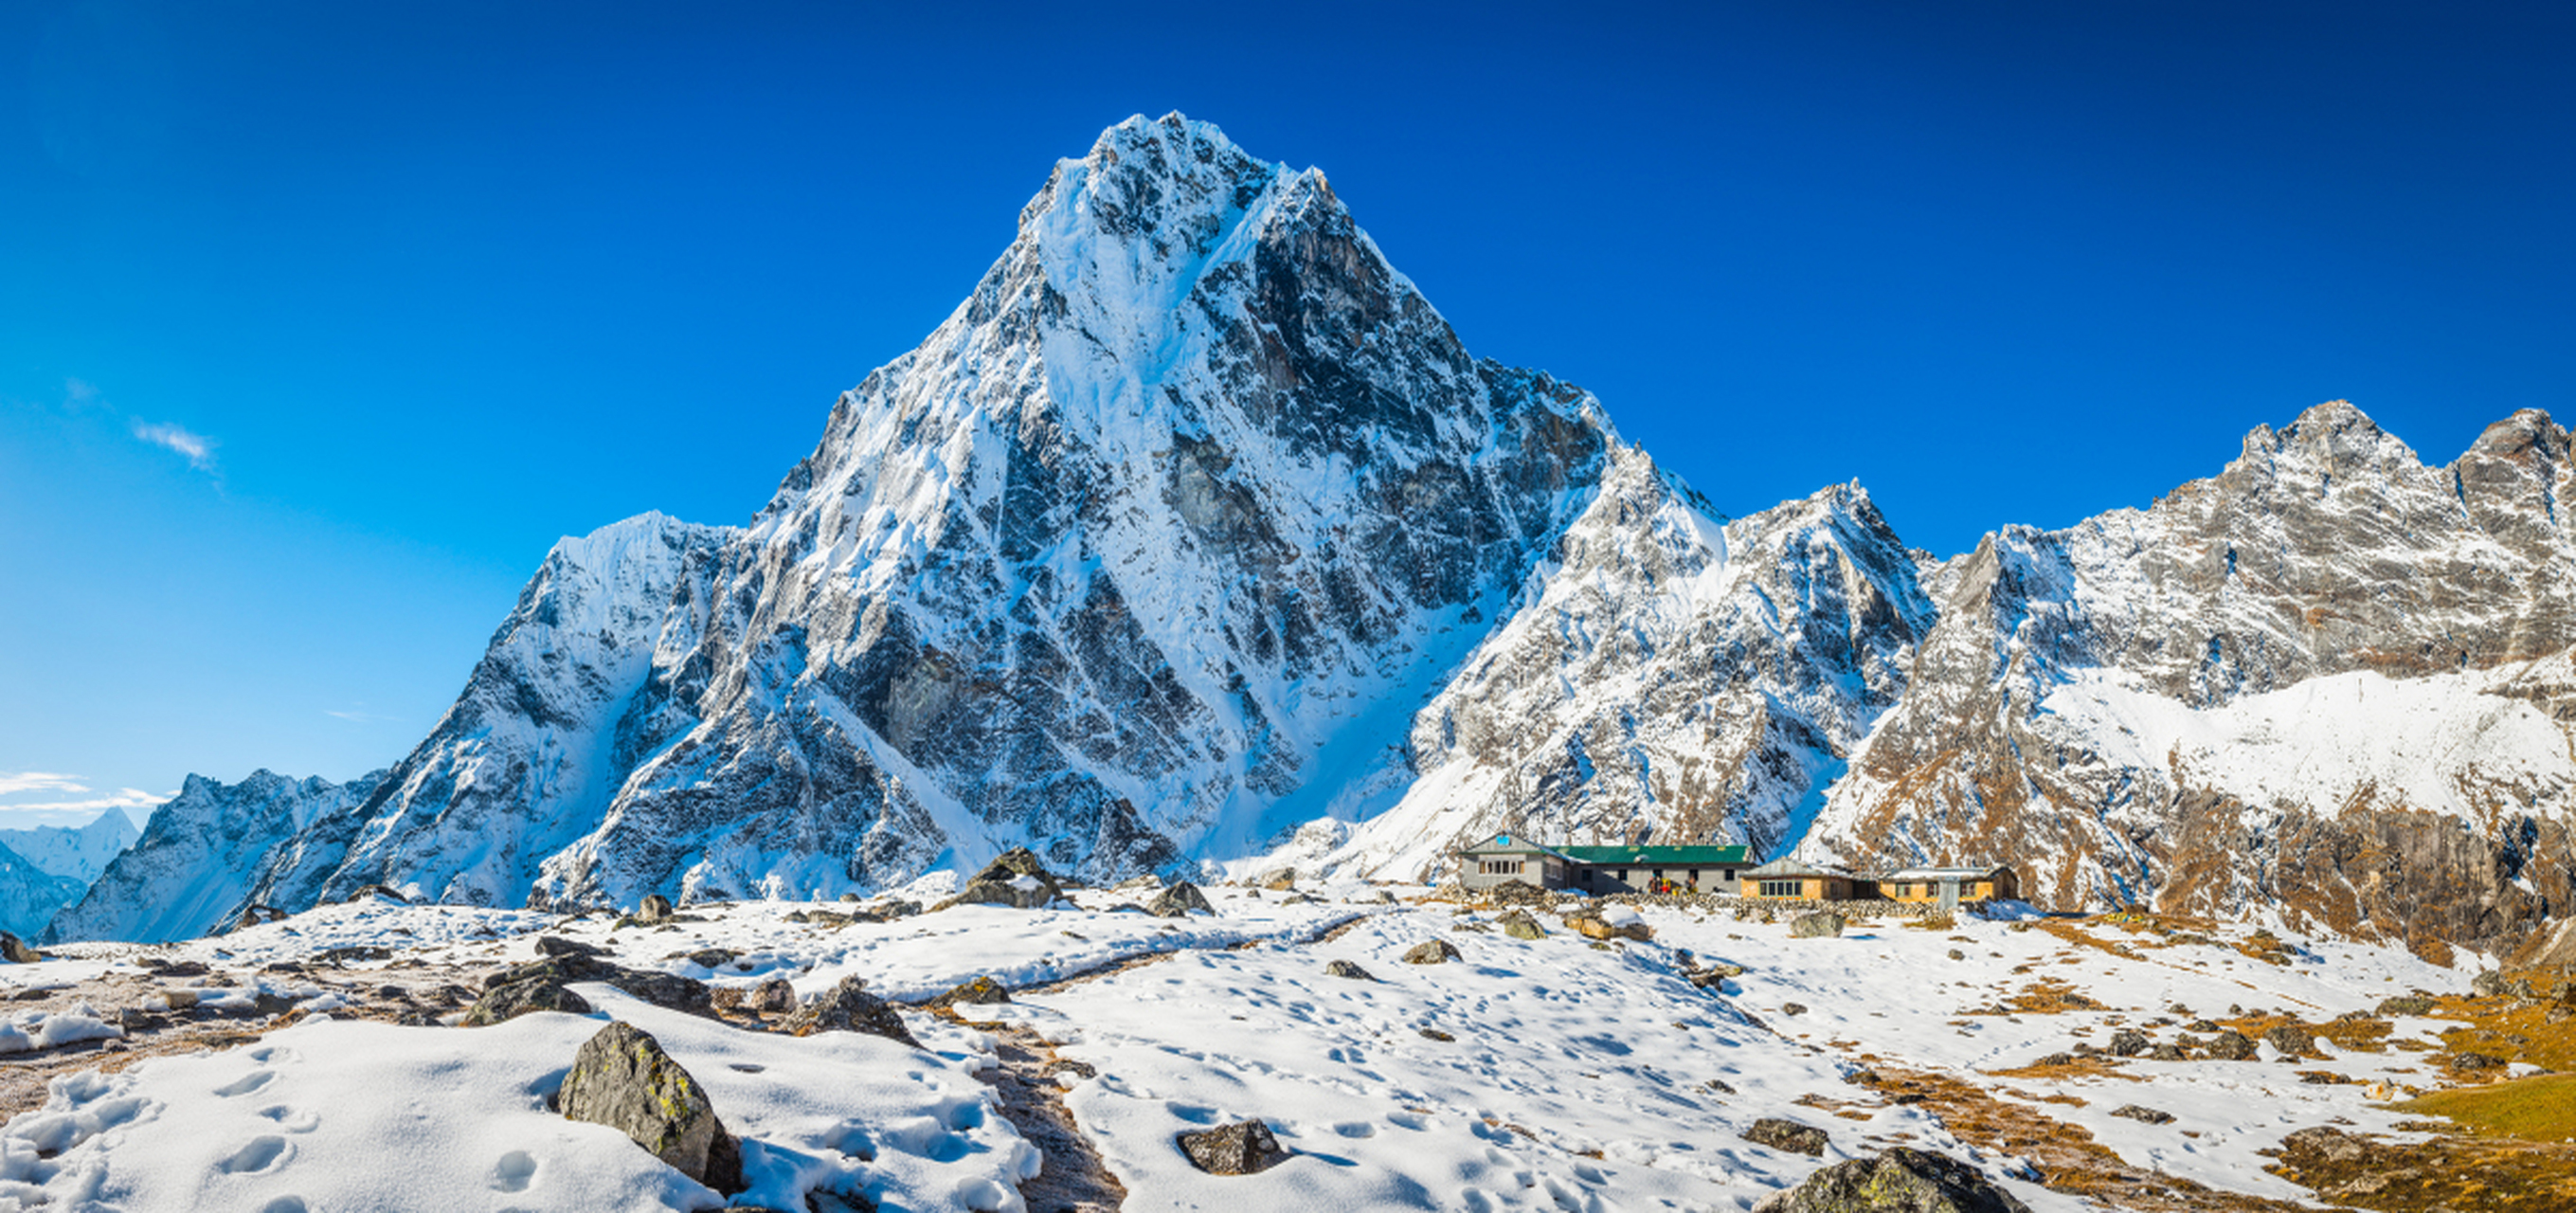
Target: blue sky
320	322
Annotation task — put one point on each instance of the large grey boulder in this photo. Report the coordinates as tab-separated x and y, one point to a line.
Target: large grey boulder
1242	1148
1431	952
848	1007
621	1078
1823	924
1519	925
1178	900
540	985
1015	878
1899	1181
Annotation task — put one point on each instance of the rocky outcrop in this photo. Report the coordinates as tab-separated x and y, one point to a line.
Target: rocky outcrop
1899	1180
849	1007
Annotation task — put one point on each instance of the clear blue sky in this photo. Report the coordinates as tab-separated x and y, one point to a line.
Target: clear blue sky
319	322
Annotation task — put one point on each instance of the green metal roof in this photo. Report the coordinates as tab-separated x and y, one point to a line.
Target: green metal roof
1650	856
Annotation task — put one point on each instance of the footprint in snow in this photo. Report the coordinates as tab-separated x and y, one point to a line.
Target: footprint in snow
247	1083
261	1154
292	1120
284	1204
513	1172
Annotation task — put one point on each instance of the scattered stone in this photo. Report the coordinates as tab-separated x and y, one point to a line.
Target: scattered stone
523	997
1519	925
2201	1025
2231	1046
1015	878
2489	984
727	998
981	991
2129	1042
2291	1040
1242	1148
557	945
1821	924
1793	1008
1435	1034
654	908
2475	1061
1956	954
2056	1059
2167	1052
1066	1065
712	958
1719	1086
2407	1004
2149	1115
1282	881
1344	968
1788	1135
1178	900
848	1007
1431	952
1902	1180
776	996
257	915
539	985
621	1078
2309	1147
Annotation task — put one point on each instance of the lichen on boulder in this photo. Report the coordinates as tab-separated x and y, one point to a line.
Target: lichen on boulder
1901	1180
621	1078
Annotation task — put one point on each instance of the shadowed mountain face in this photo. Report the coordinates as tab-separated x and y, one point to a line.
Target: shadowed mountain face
1194	533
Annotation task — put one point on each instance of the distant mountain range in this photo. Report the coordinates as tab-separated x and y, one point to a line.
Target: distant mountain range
1195	535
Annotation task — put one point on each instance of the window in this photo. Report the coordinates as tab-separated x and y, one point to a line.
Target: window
1905	888
1783	888
1500	867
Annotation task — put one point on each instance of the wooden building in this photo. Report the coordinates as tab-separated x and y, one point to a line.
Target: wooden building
1787	879
1504	859
1951	886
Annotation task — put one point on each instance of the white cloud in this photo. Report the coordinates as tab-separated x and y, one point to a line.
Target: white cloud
122	798
14	782
199	449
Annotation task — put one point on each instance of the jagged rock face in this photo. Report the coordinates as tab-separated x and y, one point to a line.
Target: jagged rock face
2253	623
192	868
1671	679
1115	559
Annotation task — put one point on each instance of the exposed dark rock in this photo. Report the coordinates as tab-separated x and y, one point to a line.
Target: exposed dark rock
979	990
1431	952
1178	900
848	1007
1519	925
1242	1148
1821	924
15	950
621	1078
2129	1042
1901	1180
1789	1135
2292	1040
776	996
2151	1116
2311	1147
2231	1046
1344	968
654	908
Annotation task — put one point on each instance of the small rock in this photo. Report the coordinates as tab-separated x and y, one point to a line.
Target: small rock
2309	1147
776	996
1431	952
1243	1148
2149	1115
1822	924
2056	1059
2231	1046
2292	1040
2475	1061
1789	1135
654	908
1066	1065
1344	968
1178	900
981	991
2200	1025
1793	1008
514	999
1901	1180
712	958
1282	881
1956	954
376	890
848	1007
2129	1042
1435	1034
2167	1052
621	1078
2407	1004
1519	925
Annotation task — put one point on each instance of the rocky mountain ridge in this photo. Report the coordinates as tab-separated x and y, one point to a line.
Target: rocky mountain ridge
1195	534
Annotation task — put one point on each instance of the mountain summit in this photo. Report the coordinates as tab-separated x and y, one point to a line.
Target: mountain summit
1194	534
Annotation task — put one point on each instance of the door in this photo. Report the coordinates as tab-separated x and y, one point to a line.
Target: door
1949	895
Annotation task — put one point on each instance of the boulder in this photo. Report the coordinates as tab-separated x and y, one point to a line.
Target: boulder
1178	900
1519	925
514	999
1282	881
1902	1180
16	951
1822	924
376	890
1788	1135
1242	1148
538	985
2231	1046
654	908
2408	1004
2151	1116
2310	1147
1431	952
2129	1042
1015	878
848	1007
1344	968
621	1078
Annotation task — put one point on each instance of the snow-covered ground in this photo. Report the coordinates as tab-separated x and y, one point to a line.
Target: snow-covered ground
1526	1074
